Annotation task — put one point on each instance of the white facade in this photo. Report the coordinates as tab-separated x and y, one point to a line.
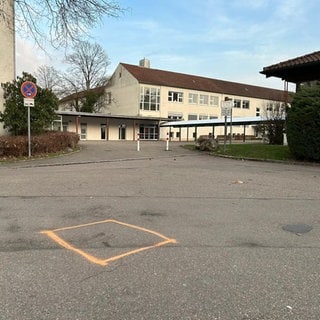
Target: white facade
141	98
7	52
134	91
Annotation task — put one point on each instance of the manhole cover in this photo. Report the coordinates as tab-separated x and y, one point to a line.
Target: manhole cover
297	228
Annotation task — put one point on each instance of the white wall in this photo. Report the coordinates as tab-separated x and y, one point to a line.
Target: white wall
7	52
125	101
125	93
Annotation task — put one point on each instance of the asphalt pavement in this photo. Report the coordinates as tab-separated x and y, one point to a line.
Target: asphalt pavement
107	151
110	232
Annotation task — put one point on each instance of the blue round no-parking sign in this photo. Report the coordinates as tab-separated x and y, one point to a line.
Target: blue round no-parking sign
28	89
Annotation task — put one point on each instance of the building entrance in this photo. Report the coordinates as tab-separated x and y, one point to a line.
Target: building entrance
148	132
103	132
122	132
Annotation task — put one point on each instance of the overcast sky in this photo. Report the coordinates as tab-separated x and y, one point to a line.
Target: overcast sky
230	40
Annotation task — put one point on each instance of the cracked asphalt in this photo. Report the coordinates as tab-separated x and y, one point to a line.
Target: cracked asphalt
232	257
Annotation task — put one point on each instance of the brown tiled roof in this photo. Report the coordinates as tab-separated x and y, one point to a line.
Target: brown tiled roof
192	82
304	68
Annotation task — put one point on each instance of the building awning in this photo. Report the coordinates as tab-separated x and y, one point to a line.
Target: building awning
236	121
105	115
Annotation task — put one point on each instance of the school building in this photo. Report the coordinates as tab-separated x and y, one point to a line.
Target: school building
141	100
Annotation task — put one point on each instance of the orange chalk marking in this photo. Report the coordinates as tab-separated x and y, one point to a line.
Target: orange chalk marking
103	262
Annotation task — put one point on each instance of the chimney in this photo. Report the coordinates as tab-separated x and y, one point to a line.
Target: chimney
144	63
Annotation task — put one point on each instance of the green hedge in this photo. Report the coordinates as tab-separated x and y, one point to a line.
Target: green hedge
303	124
49	142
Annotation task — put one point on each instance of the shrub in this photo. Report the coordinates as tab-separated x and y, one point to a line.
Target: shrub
14	115
205	143
303	124
49	142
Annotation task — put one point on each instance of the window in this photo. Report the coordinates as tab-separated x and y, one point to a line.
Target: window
192	117
108	98
193	98
257	112
270	107
175	115
237	103
213	117
148	132
83	131
277	107
174	96
149	99
245	104
204	99
103	131
203	117
214	101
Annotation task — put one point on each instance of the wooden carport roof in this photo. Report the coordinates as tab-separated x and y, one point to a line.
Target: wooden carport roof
297	70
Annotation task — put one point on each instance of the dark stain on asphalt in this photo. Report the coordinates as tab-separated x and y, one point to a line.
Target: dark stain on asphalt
13	227
152	214
251	245
297	228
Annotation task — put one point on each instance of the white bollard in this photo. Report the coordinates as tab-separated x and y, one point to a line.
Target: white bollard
138	141
167	144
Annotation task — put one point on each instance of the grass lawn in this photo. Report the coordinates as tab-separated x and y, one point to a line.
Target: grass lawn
253	151
256	151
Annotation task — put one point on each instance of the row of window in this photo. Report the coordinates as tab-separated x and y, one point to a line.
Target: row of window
194	98
204	99
150	99
276	108
179	116
238	103
201	117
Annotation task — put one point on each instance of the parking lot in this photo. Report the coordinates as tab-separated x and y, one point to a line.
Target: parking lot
114	233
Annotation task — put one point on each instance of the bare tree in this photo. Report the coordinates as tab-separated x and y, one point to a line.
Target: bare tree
71	90
59	21
77	99
89	62
48	78
273	127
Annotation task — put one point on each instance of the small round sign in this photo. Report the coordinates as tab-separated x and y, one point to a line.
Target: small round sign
28	89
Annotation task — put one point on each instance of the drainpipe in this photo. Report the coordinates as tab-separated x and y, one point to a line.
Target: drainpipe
77	124
107	129
134	130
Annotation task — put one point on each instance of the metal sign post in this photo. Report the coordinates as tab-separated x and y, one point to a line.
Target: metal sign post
230	125
226	109
29	91
28	102
225	134
29	133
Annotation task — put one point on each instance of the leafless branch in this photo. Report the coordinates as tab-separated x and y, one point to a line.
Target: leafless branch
61	22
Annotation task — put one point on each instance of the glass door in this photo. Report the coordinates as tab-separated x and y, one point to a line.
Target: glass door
83	135
103	131
122	132
148	132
